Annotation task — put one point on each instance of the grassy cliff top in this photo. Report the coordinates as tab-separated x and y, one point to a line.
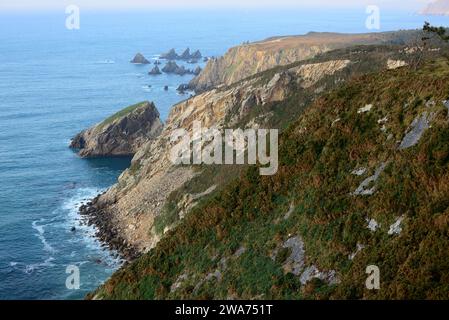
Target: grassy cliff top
122	113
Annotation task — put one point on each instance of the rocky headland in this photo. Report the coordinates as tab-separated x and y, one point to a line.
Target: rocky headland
251	58
122	134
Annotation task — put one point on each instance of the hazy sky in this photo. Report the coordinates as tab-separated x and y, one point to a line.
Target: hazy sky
27	5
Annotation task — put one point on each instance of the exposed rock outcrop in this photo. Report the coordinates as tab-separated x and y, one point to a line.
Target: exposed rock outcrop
416	130
394	64
140	59
121	134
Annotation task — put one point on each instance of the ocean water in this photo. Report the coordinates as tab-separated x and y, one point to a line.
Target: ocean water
55	82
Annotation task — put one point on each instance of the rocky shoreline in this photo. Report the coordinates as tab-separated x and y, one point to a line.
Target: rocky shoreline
96	214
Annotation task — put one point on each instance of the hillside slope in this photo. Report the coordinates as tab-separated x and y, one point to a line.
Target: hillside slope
363	180
153	195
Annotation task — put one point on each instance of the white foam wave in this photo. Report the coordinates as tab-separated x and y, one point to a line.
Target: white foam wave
107	61
41	231
88	239
33	267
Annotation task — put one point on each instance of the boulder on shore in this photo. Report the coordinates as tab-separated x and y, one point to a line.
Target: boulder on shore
122	134
140	59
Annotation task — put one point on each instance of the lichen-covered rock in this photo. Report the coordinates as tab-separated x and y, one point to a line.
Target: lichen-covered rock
366	188
394	64
416	130
121	134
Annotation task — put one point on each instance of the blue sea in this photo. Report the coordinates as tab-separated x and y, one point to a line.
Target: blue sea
55	82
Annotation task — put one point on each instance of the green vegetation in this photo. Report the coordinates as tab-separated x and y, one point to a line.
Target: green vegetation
317	154
121	114
438	31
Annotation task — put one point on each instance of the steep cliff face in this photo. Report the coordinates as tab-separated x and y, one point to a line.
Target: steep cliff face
137	204
121	134
363	180
142	191
248	59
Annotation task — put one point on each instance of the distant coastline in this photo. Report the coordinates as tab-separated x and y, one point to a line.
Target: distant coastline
436	8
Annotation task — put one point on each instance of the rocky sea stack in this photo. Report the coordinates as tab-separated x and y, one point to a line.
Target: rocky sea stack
155	71
170	55
121	134
186	55
140	59
173	68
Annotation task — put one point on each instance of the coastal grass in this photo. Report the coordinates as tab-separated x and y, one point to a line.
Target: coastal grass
122	113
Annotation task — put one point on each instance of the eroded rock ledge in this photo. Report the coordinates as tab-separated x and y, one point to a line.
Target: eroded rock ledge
122	134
